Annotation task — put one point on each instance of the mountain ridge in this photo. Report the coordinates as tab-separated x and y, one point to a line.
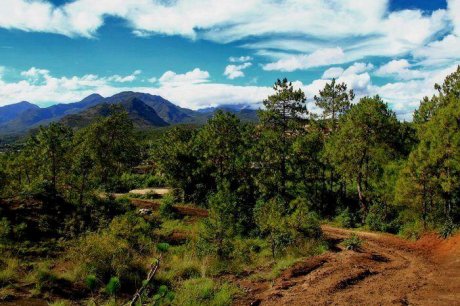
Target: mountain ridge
144	109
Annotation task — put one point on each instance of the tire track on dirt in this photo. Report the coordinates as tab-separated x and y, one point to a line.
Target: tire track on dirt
386	271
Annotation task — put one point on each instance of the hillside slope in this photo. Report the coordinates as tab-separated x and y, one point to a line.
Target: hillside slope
142	115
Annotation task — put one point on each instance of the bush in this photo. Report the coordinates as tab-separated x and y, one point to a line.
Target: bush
274	225
113	286
353	243
204	291
129	181
91	282
346	219
447	229
163	247
167	209
303	220
105	255
133	229
383	219
163	296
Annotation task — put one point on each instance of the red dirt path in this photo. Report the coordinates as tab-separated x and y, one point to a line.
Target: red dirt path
386	271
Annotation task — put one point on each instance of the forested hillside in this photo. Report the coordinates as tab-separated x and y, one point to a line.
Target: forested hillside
238	200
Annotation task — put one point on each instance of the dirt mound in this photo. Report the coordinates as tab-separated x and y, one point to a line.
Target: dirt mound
439	249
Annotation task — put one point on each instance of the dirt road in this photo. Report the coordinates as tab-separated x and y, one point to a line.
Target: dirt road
386	271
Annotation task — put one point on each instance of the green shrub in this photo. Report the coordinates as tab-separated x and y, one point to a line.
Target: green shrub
412	230
353	242
154	181
447	229
129	181
132	228
345	219
382	218
167	209
163	296
204	291
113	286
163	247
305	222
91	282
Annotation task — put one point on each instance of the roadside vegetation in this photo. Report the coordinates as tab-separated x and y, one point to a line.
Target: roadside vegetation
242	200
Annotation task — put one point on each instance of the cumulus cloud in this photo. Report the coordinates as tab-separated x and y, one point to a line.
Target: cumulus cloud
403	96
318	58
400	69
444	51
236	71
356	68
170	78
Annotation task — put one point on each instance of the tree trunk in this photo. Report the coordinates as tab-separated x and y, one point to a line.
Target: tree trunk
362	200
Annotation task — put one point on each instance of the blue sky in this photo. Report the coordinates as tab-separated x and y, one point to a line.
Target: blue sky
207	52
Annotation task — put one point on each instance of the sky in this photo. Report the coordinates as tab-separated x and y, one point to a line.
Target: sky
205	53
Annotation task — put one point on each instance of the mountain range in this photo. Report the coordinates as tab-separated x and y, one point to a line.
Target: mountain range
144	109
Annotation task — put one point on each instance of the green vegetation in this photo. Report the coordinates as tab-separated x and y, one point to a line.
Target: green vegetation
255	195
353	242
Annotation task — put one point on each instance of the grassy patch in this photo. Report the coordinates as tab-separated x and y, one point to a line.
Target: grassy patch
204	291
9	268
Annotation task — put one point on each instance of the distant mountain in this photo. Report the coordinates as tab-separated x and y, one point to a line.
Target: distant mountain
142	115
243	111
225	107
144	109
34	117
12	111
168	111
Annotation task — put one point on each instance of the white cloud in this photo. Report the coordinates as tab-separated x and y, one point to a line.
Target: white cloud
35	73
124	79
403	96
444	51
356	68
170	78
333	72
454	14
191	89
375	31
235	71
241	59
318	58
400	69
152	80
194	90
